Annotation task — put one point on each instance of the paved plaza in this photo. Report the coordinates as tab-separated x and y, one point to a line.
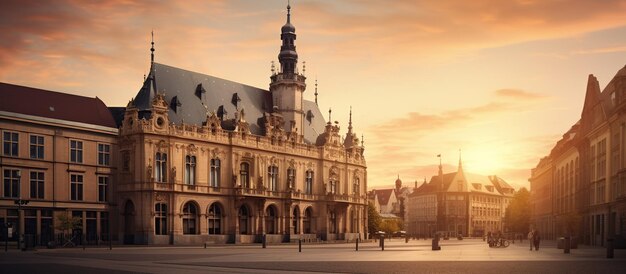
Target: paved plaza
466	256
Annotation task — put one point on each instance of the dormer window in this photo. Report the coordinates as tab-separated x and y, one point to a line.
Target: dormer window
200	91
175	104
221	112
235	100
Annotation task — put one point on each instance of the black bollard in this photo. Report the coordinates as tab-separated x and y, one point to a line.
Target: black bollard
382	243
357	244
299	245
204	245
263	240
406	239
566	245
609	248
83	239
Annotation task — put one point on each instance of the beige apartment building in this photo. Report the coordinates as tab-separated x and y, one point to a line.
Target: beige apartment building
588	184
459	203
207	160
58	153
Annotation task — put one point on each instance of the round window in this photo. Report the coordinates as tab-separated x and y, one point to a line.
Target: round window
160	121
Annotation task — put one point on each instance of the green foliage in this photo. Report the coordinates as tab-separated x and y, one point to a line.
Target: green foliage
67	223
390	226
517	215
374	221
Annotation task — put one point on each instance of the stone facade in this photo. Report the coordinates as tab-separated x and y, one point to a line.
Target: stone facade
588	183
275	169
458	203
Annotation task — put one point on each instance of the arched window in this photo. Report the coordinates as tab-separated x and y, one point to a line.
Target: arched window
190	218
357	186
291	178
244	217
190	170
244	175
160	219
333	186
272	174
332	219
215	172
270	220
215	219
306	222
308	182
296	220
160	170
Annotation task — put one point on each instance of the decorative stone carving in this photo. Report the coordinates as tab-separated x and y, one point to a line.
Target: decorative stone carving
149	172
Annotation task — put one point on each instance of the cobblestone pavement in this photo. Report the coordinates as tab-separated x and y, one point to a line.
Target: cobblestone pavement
465	256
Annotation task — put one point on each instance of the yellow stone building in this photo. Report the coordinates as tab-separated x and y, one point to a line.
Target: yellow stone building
205	159
459	203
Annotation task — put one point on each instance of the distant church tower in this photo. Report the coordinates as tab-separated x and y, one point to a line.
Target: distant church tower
287	85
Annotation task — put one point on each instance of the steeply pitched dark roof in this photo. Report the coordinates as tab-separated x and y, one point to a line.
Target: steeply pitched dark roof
197	93
447	180
118	115
55	105
384	195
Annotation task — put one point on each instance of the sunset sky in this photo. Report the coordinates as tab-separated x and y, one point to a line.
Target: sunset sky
501	80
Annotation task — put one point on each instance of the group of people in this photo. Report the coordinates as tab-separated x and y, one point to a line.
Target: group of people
534	238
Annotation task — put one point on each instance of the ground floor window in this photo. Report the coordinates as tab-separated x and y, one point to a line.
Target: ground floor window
160	219
306	222
332	222
190	218
243	220
215	219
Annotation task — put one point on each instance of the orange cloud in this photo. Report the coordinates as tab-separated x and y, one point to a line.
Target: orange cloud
518	94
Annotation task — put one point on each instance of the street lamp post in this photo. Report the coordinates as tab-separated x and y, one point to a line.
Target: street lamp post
19	202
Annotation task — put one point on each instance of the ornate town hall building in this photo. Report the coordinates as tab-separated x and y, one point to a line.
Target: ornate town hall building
203	159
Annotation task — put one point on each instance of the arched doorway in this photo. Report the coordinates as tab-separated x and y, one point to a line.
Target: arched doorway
244	220
296	220
129	222
270	220
306	222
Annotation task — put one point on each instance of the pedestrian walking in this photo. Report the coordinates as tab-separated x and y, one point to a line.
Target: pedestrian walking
536	239
530	239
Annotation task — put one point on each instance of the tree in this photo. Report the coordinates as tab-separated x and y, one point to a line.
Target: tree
374	221
66	223
517	215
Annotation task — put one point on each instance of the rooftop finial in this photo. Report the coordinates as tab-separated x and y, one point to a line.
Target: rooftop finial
152	48
316	90
350	120
362	139
329	117
288	11
460	162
